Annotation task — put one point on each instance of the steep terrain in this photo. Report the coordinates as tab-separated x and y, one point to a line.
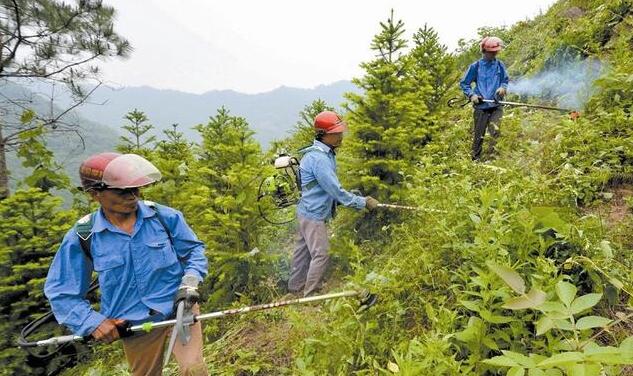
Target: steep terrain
549	214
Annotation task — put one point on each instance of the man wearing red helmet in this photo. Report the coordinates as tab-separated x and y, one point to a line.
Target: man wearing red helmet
320	193
491	82
147	260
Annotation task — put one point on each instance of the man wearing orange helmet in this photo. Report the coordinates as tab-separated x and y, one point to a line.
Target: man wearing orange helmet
320	193
147	259
491	82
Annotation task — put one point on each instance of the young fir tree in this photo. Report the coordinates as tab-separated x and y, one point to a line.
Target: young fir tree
389	120
173	157
139	140
228	163
223	201
434	66
32	226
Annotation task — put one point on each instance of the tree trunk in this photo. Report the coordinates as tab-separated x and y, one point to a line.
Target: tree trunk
4	171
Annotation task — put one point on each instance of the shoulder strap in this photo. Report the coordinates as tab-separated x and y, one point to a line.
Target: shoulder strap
155	207
83	227
304	151
310	149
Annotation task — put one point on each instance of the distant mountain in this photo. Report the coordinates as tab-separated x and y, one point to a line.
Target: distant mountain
70	148
271	114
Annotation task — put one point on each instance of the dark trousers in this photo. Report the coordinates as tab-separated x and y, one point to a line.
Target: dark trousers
490	119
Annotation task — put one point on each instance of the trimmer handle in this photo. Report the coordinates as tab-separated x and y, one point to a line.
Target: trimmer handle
125	329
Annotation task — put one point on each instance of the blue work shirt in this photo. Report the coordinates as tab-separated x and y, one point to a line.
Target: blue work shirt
319	164
488	76
137	272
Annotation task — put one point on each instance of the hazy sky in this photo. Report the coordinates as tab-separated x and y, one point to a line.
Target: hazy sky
255	46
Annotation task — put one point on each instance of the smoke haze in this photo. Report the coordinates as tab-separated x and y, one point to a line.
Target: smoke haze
570	84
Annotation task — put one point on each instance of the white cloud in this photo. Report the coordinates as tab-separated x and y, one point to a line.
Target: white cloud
254	46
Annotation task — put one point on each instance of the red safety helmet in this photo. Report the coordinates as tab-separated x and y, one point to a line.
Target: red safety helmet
491	44
114	170
329	122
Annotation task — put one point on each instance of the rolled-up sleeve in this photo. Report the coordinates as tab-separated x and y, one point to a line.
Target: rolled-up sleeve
189	248
466	83
328	180
66	285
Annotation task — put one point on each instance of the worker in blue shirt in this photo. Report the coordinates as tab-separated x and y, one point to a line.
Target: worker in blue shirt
491	82
147	260
321	192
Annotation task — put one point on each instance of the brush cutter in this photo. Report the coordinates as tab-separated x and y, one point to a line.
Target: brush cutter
572	113
366	299
404	207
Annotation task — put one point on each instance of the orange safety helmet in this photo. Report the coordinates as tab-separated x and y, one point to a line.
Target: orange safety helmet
491	44
114	170
329	122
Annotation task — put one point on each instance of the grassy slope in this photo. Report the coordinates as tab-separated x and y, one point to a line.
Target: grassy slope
424	266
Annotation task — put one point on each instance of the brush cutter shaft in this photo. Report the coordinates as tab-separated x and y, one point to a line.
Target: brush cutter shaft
527	105
404	207
55	341
260	307
126	331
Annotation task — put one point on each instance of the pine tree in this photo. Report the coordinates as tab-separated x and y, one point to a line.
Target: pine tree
434	66
228	163
222	198
138	141
389	119
52	42
174	158
32	226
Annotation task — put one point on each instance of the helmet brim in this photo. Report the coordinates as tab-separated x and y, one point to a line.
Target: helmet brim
340	128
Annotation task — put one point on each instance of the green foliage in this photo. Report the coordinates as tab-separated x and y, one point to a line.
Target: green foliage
138	141
46	173
526	273
33	224
433	66
54	42
390	119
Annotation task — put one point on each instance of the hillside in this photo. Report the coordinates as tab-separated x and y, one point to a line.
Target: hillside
70	148
521	264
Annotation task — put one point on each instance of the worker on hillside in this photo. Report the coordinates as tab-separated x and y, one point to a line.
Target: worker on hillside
321	193
147	259
491	82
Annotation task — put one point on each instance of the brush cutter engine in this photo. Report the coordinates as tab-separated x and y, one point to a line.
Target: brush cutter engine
279	193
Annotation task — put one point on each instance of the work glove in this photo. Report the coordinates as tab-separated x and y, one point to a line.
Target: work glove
475	99
371	203
188	291
501	92
107	331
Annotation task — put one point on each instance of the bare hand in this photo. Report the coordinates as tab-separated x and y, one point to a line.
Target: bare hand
107	331
501	92
475	99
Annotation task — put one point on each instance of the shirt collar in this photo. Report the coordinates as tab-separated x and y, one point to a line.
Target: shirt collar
323	146
101	222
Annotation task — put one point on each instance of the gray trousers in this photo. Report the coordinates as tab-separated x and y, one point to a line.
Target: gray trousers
485	119
310	258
